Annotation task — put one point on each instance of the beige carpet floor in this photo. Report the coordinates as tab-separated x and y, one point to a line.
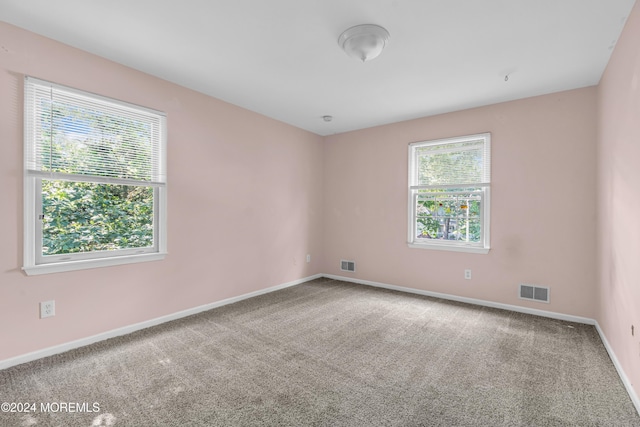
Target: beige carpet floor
330	353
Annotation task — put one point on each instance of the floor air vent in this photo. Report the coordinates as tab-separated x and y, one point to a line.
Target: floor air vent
534	293
347	265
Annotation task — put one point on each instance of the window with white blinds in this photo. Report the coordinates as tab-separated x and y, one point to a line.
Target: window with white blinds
95	178
449	186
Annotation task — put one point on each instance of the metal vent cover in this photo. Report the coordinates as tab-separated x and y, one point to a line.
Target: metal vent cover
534	293
347	265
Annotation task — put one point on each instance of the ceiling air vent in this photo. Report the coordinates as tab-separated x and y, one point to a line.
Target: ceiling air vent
347	265
534	293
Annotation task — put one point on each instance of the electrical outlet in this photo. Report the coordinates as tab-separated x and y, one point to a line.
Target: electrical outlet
47	309
467	274
308	257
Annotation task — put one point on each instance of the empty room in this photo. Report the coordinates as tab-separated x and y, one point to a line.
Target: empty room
320	213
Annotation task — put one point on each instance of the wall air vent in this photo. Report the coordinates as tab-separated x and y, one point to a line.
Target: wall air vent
534	293
347	265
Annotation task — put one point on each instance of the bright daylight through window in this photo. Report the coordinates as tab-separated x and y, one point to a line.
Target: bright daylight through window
94	180
449	186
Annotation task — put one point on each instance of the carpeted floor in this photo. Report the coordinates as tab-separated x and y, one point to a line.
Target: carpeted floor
329	353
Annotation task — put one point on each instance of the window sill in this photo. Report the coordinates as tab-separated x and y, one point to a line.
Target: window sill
59	267
451	248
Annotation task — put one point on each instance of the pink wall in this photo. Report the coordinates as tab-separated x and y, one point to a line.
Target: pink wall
619	200
543	213
244	192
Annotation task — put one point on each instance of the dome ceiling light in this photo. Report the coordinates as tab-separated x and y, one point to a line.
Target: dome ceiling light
364	42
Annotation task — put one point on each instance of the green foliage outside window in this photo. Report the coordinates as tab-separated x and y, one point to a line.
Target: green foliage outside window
448	213
83	216
442	216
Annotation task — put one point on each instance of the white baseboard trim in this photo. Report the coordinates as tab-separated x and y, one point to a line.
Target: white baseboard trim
61	348
516	308
616	363
543	313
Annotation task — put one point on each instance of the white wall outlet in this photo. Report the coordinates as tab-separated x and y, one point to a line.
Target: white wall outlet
467	274
47	309
308	257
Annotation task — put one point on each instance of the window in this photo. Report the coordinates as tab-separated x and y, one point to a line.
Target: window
449	185
94	185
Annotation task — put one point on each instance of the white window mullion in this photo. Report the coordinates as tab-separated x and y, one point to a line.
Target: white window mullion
486	218
57	176
413	225
445	187
37	220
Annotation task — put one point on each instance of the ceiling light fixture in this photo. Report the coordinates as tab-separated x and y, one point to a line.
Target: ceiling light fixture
364	42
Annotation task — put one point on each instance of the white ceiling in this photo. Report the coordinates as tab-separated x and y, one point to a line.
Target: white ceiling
280	58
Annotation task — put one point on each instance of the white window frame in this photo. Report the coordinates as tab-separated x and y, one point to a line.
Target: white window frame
34	262
481	247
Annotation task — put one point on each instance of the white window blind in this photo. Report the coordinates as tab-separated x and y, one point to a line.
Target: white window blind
460	164
76	137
